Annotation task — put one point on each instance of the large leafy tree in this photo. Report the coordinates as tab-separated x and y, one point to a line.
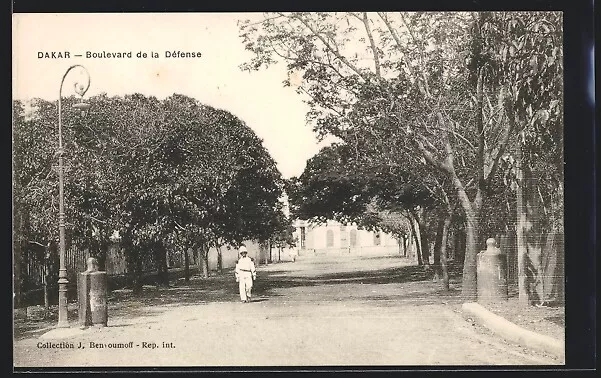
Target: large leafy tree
207	180
396	197
421	84
164	174
523	51
34	177
34	188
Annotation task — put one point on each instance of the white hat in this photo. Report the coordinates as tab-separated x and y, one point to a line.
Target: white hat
243	249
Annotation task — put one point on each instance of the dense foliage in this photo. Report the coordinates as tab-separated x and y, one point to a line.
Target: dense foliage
437	101
151	173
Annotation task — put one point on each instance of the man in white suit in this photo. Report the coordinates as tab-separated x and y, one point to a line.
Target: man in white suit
245	274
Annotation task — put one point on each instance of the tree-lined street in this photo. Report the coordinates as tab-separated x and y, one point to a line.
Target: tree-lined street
440	134
340	310
454	118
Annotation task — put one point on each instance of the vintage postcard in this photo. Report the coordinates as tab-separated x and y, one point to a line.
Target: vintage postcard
233	190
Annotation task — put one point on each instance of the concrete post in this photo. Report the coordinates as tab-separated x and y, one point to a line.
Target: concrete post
492	274
98	299
92	296
85	316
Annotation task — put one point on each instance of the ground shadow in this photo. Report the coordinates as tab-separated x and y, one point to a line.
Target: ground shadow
426	296
31	329
557	319
400	274
273	280
221	287
259	300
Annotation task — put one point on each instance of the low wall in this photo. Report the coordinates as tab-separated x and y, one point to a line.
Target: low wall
229	257
362	251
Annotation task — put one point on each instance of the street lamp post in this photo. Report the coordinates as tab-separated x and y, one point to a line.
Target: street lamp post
81	89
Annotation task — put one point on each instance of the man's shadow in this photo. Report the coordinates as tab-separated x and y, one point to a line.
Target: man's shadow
253	300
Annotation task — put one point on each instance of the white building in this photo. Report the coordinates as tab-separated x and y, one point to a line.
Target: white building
333	237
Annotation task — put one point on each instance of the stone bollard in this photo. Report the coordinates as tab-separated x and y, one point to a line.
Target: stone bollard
492	274
92	296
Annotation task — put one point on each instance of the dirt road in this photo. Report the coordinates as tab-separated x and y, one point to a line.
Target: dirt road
319	310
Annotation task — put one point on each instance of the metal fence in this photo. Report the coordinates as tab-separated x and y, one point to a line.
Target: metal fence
508	244
39	267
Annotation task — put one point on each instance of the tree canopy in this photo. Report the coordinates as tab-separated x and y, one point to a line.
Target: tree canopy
156	172
441	95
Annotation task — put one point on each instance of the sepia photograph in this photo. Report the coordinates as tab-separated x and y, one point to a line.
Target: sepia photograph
288	189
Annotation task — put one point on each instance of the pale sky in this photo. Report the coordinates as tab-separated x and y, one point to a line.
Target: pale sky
275	113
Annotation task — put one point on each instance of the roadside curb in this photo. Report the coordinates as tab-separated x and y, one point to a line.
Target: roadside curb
62	333
513	332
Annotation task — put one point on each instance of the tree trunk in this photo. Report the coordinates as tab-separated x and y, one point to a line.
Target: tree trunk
450	251
507	245
186	265
440	251
443	252
522	248
554	253
418	250
437	248
204	257
219	258
17	274
554	274
549	265
162	268
138	275
97	251
404	241
541	240
46	294
102	254
425	244
460	245
267	254
425	249
469	289
135	269
46	278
